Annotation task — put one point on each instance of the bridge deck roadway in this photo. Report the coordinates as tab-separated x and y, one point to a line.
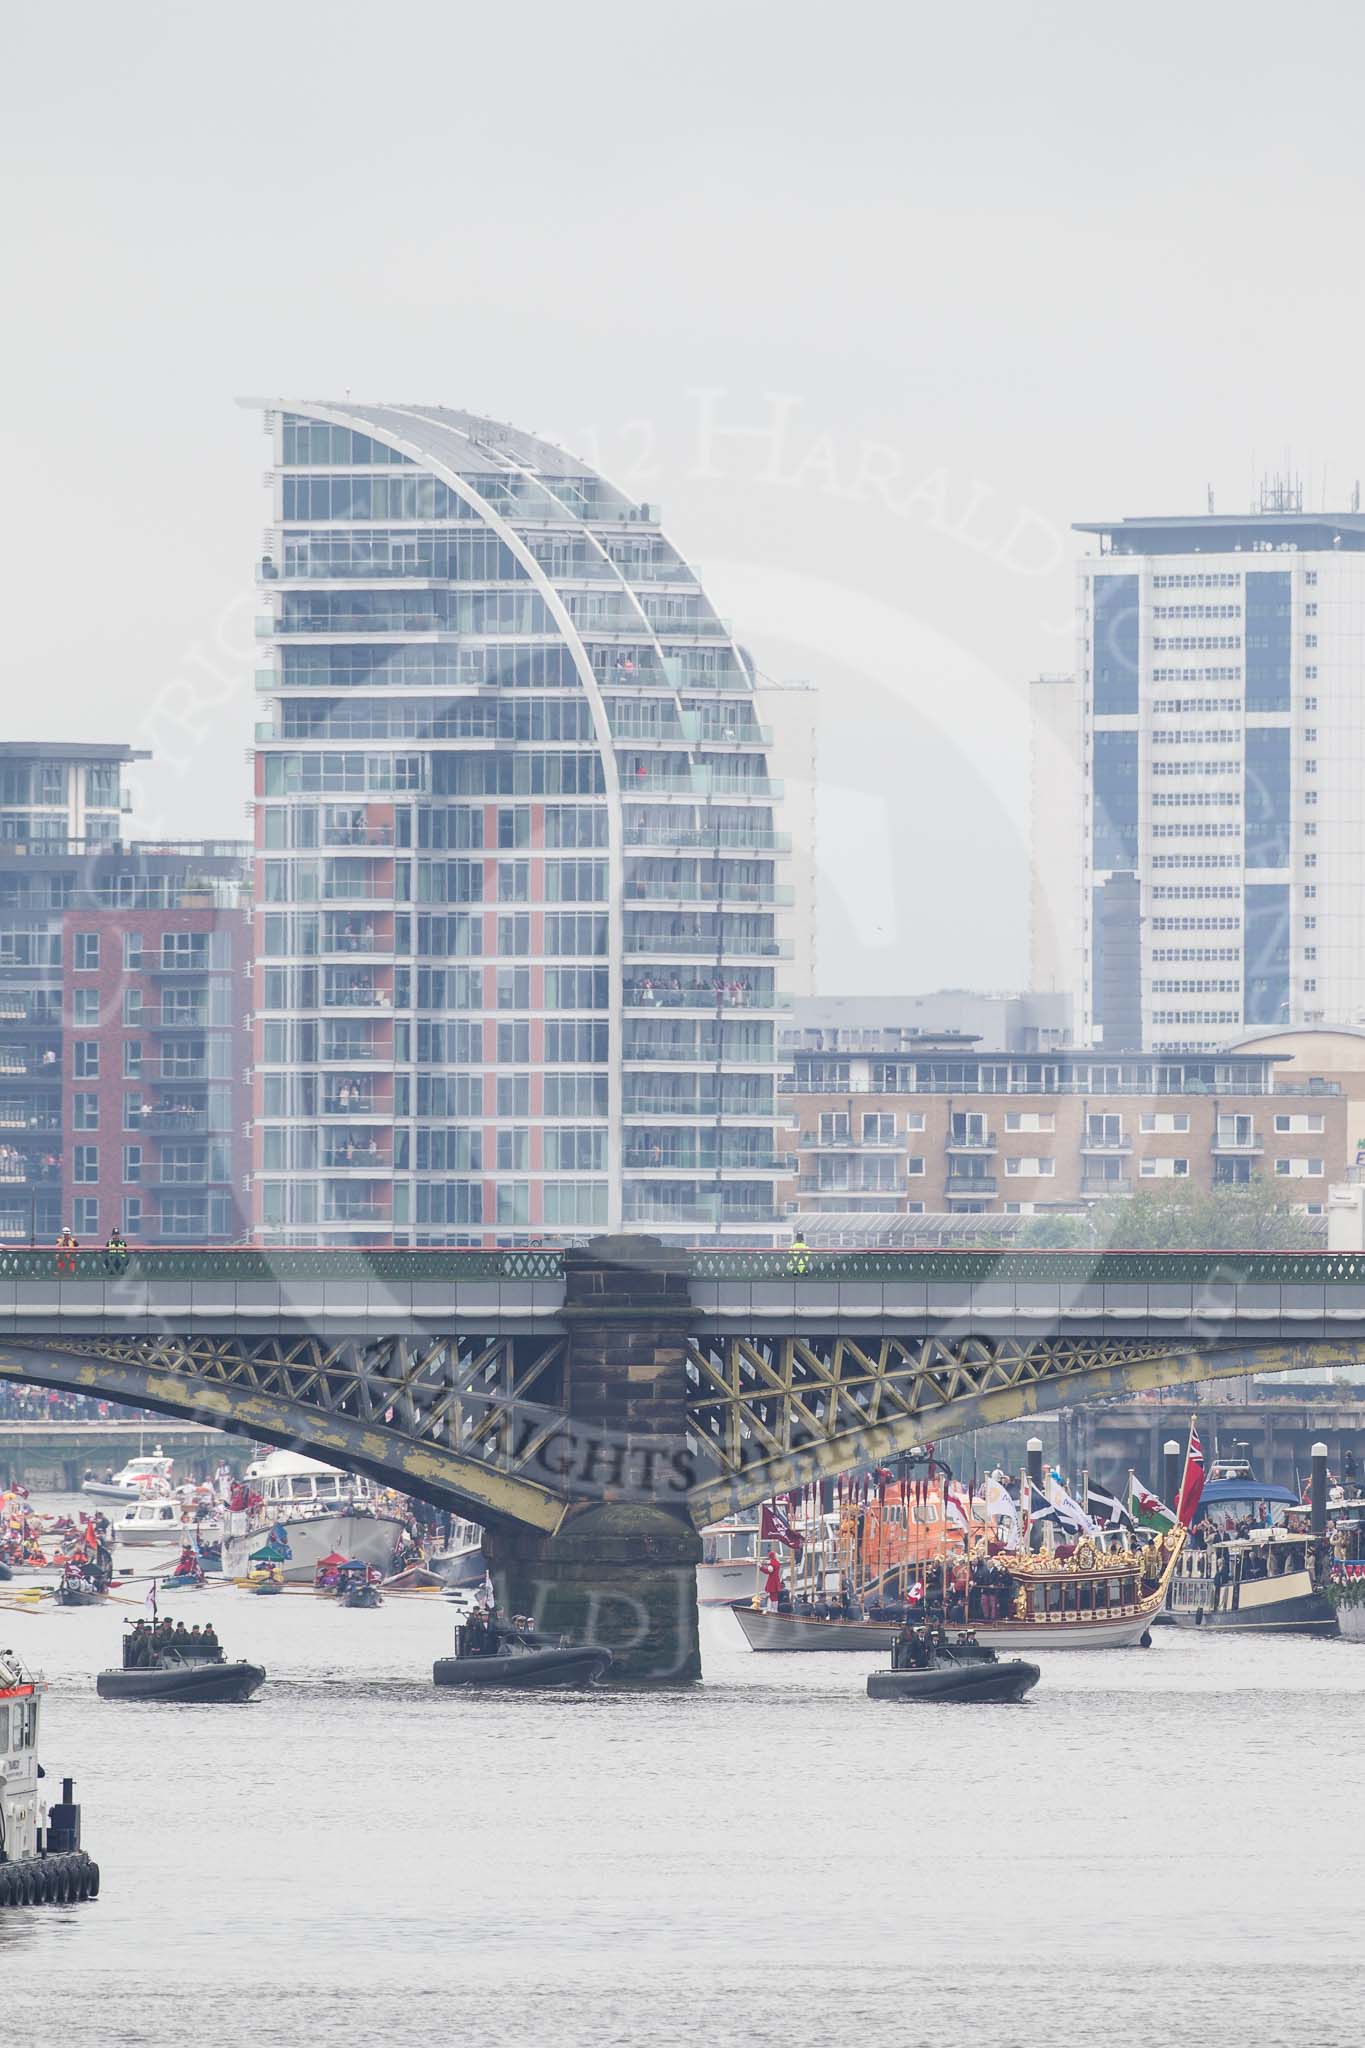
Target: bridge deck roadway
288	1306
1205	1311
1186	1298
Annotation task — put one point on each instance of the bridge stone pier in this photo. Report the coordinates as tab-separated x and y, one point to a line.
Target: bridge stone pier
621	1566
595	1408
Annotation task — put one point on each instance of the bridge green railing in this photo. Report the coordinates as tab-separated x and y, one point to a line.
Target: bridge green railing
1269	1268
246	1263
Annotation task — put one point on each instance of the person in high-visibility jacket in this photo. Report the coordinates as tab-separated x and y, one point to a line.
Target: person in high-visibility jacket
798	1259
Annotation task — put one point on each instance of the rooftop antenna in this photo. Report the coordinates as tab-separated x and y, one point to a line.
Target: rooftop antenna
1355	495
1209	489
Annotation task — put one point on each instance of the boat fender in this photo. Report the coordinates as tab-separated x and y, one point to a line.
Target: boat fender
6	1885
1145	1640
92	1881
1199	1617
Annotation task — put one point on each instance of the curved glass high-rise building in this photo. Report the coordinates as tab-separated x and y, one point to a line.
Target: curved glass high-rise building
517	865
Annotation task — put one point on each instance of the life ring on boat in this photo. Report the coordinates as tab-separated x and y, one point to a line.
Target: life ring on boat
1085	1555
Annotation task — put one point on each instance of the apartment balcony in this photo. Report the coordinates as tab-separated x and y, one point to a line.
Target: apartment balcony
976	1146
26	1173
693	838
175	1122
177	970
647	1159
360	1163
851	1142
345	837
1095	1188
366	1106
696	1112
679	1215
729	895
966	1186
363	997
180	1020
704	997
693	1056
691	947
16	1116
1107	1147
37	1014
1238	1148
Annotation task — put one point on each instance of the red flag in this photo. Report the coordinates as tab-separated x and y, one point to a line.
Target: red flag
1192	1485
775	1527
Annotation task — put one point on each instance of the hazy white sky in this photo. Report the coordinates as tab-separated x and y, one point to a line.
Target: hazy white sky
874	299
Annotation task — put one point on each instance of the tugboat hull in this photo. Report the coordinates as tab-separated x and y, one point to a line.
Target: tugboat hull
188	1684
1264	1606
1009	1679
518	1668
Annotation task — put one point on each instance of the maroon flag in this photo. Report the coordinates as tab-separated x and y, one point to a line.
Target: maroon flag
775	1527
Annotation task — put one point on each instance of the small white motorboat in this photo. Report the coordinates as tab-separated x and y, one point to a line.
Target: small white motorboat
162	1520
139	1477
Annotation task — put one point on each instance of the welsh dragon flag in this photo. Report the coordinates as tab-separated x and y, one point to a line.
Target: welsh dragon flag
1144	1507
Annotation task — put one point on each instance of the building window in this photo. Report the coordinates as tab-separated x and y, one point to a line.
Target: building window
132	1164
86	957
132	1111
513	1201
514	881
514	1095
914	1166
85	1165
132	1059
514	826
915	1120
85	1215
132	952
879	1127
514	1151
85	1059
132	1215
85	1009
85	1112
132	1007
514	1045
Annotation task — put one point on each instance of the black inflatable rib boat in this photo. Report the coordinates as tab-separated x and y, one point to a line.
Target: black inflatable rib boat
965	1672
190	1680
516	1666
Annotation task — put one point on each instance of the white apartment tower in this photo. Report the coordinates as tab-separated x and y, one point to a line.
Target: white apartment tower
1220	747
516	857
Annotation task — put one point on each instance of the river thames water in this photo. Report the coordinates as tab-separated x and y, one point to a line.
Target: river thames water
1159	1842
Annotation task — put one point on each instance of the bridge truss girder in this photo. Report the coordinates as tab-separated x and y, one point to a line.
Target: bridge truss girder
459	1421
769	1414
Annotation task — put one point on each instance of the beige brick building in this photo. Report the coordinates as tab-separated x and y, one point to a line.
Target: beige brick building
942	1126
